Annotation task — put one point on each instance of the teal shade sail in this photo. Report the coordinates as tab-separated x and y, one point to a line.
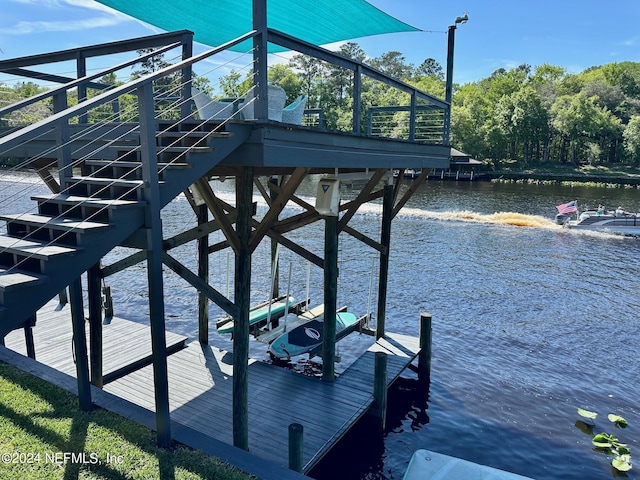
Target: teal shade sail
215	22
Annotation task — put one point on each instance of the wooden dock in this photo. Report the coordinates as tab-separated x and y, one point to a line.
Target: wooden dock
126	344
200	385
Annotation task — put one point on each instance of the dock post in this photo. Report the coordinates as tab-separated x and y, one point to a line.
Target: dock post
330	298
80	345
94	297
62	297
153	231
295	447
242	299
28	336
274	247
203	274
385	240
424	357
379	407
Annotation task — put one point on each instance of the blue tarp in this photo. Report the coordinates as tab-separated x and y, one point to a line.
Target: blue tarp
215	22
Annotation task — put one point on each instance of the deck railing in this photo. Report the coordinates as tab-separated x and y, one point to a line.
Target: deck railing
418	99
17	67
420	120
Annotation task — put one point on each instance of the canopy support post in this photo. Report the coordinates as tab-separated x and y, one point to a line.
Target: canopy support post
260	59
385	241
242	299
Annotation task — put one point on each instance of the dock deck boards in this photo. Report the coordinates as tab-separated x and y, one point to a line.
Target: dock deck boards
200	385
126	344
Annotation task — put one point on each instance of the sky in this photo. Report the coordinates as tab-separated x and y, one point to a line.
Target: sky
499	34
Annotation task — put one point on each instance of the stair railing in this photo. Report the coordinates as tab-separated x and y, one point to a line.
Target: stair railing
142	84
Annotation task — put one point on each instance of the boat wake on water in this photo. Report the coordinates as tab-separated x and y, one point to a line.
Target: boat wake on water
498	218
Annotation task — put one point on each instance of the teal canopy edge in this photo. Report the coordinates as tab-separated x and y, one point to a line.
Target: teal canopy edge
215	22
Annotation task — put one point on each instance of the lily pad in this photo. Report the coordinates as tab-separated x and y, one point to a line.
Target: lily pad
587	414
622	463
623	450
603	440
618	420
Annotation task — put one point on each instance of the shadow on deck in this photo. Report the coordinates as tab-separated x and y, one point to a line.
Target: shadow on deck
200	390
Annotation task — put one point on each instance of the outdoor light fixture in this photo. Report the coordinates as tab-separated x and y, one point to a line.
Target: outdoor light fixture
463	18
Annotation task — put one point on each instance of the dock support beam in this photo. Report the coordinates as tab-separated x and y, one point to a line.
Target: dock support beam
203	274
379	408
424	357
296	432
385	241
242	299
274	245
28	336
330	298
95	324
153	228
80	345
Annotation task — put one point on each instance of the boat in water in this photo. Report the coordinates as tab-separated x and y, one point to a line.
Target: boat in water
619	221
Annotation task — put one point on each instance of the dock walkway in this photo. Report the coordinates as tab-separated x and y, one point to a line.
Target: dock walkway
126	344
200	387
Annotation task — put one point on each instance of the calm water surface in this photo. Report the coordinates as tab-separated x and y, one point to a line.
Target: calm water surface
530	322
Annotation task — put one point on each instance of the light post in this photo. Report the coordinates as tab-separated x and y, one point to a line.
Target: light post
449	85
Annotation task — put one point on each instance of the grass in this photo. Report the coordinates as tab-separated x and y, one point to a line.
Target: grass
599	170
41	427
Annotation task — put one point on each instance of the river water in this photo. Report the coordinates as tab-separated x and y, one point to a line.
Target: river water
530	322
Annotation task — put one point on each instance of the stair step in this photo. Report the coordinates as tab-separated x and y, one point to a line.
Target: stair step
195	134
73	200
167	149
58	223
33	249
187	125
107	182
11	278
132	164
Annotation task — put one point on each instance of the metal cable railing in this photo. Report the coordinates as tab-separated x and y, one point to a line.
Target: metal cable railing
125	193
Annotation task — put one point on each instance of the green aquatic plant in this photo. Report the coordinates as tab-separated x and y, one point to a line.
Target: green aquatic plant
609	443
622	463
587	414
617	420
606	441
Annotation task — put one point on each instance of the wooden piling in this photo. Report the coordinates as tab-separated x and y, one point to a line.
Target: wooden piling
203	273
274	247
28	336
242	299
107	302
94	297
424	356
385	240
153	230
379	407
330	298
80	345
62	297
296	432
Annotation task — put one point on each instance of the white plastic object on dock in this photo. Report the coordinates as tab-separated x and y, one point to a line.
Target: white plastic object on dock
426	464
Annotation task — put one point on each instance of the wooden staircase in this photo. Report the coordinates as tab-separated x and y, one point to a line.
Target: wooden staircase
99	209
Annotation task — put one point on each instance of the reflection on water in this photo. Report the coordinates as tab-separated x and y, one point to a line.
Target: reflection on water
530	321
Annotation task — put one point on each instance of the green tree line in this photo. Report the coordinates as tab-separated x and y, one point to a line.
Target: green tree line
541	114
531	114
